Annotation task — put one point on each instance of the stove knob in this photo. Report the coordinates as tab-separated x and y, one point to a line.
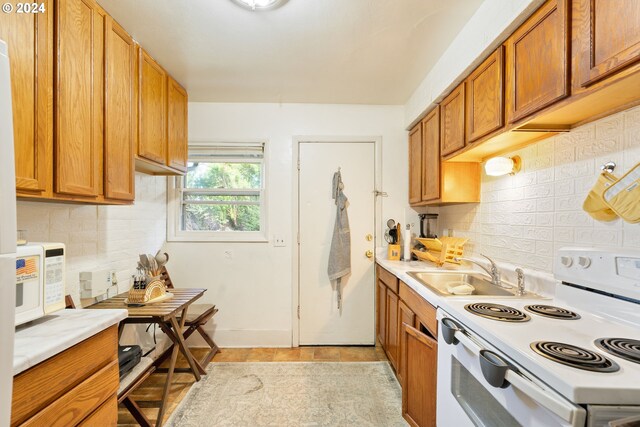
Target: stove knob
567	261
584	261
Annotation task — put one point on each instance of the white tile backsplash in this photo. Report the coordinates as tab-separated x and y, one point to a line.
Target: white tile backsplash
524	219
101	237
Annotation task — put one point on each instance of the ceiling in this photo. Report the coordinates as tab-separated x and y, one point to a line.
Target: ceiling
307	51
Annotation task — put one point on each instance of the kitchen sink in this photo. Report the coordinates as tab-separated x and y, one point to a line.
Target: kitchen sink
438	282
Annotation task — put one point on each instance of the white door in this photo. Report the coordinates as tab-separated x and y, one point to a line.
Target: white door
321	322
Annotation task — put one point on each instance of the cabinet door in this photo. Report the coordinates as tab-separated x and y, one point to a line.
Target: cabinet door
538	61
405	317
381	312
415	164
120	113
79	97
176	125
452	121
608	36
152	143
29	38
485	97
419	383
431	156
392	335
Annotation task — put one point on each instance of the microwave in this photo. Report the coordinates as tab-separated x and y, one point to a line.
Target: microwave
40	277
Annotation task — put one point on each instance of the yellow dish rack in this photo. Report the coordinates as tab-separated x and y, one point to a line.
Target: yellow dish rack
441	250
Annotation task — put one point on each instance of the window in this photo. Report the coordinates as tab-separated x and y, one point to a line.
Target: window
222	195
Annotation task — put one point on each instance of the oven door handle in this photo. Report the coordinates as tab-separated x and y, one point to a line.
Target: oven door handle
545	397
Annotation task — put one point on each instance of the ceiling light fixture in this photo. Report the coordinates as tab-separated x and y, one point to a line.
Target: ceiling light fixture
499	166
259	4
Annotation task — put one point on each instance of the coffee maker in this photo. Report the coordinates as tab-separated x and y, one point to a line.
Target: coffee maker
428	225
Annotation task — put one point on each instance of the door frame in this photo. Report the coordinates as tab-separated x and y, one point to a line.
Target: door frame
295	247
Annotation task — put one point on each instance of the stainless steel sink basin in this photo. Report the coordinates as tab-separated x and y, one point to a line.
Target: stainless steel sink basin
438	282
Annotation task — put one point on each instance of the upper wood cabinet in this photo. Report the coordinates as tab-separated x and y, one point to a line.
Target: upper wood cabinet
162	122
538	61
120	135
415	164
152	143
177	139
79	89
485	97
439	182
452	117
431	155
607	37
30	41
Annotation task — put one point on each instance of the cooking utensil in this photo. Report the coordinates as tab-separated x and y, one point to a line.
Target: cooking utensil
391	223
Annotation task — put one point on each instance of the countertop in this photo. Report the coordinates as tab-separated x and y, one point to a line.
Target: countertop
52	334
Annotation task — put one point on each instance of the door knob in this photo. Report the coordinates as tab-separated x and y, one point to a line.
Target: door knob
368	237
369	253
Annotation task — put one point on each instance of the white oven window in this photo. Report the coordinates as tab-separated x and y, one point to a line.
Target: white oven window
480	406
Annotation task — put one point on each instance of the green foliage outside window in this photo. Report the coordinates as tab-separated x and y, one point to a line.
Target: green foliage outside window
229	200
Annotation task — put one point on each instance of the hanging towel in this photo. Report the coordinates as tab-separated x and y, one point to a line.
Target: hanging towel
340	252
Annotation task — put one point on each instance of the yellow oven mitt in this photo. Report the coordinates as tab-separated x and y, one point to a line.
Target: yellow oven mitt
594	204
623	196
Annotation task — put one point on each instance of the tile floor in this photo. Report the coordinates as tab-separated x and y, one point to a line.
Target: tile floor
149	394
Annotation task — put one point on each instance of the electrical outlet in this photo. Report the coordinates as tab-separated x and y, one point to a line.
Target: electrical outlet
278	241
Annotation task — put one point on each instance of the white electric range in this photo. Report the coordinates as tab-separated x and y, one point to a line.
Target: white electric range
507	363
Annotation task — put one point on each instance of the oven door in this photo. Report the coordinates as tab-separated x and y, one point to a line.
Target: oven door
466	397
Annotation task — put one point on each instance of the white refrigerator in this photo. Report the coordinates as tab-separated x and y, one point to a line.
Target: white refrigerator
7	239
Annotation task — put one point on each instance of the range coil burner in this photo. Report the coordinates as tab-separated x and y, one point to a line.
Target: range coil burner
499	312
576	357
625	348
552	312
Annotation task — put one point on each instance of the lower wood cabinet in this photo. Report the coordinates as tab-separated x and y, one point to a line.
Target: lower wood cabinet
392	335
420	364
405	317
407	330
76	387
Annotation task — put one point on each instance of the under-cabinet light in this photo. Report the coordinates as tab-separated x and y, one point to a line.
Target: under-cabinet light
499	166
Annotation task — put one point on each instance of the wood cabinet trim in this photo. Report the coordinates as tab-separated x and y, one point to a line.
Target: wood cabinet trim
388	278
423	310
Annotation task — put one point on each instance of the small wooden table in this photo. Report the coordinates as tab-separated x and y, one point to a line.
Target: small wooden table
170	315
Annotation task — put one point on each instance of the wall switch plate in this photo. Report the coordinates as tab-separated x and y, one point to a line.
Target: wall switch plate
278	241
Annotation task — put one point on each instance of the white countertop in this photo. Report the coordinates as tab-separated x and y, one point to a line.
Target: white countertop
52	334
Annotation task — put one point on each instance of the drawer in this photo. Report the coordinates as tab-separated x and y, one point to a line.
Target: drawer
81	401
104	416
425	312
387	278
40	386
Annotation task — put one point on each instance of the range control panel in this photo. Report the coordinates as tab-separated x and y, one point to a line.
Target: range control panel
612	271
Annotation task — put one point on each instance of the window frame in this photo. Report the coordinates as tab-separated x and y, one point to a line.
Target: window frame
174	203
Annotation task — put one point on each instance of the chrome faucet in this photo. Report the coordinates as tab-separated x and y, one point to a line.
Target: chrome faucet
520	291
493	272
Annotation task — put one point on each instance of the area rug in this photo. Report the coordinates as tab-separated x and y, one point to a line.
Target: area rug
293	394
